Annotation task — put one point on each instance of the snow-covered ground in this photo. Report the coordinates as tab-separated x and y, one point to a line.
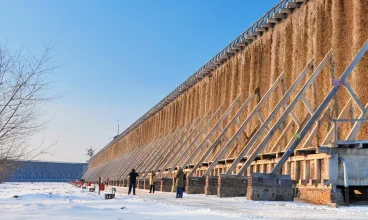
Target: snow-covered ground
63	201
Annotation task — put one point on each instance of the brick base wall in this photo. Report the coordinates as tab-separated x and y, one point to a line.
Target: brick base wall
269	187
211	185
325	195
195	185
166	184
140	184
158	185
231	185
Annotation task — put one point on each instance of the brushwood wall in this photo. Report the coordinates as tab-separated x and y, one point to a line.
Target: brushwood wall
309	32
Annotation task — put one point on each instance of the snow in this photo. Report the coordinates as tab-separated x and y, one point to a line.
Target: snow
63	201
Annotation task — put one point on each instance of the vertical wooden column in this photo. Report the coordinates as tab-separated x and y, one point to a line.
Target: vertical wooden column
249	170
296	170
270	167
306	171
263	168
288	168
236	170
317	170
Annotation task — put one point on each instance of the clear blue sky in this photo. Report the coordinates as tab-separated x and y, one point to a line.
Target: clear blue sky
118	58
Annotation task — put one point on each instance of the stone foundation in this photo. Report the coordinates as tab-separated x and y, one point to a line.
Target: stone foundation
140	184
325	195
158	185
211	185
167	184
270	187
195	185
146	184
232	185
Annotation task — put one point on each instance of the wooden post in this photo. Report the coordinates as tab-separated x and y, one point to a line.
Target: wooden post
306	171
297	170
317	170
288	168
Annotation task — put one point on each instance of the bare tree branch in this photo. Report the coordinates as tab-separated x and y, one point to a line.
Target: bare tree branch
23	81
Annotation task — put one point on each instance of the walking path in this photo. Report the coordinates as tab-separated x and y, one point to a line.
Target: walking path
241	207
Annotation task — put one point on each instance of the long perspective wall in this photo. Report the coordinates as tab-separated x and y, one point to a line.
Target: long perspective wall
280	112
309	32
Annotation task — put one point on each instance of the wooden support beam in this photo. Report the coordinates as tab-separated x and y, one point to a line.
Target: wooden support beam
317	169
278	15
285	11
272	20
218	62
166	149
247	40
241	44
292	5
193	144
237	48
255	33
177	150
222	134
260	29
296	170
250	37
266	25
323	104
224	57
267	121
209	135
306	170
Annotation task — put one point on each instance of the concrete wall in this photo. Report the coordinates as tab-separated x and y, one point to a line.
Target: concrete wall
357	166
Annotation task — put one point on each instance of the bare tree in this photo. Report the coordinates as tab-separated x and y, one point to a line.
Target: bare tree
23	85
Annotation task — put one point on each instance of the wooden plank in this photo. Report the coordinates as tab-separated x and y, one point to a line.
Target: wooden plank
292	5
260	29
285	10
278	15
266	25
272	20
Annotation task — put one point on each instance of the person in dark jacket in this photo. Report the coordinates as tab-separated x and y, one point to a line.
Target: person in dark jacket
179	182
132	181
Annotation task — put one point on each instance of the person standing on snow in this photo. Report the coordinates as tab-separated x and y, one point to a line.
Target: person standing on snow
132	181
179	182
152	182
